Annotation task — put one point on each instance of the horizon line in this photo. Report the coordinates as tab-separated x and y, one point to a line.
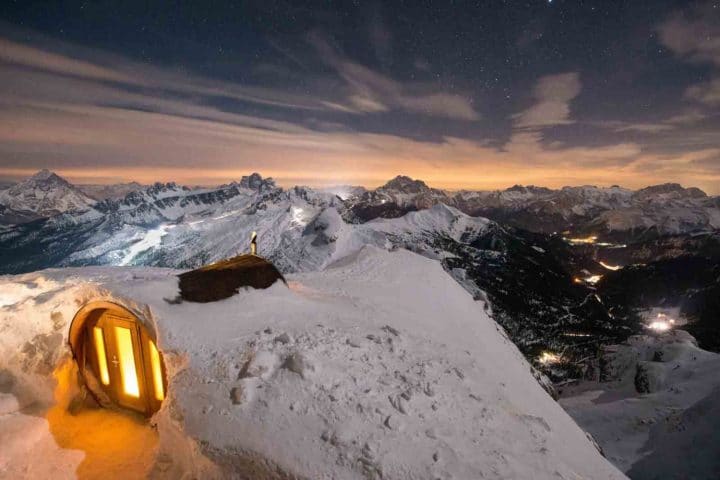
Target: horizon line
290	182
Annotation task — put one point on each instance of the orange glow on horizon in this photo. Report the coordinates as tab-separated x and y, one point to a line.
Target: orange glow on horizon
448	179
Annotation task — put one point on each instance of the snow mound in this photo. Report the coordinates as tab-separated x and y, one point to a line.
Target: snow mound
658	408
379	366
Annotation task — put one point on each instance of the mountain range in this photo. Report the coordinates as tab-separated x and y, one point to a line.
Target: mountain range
545	262
610	213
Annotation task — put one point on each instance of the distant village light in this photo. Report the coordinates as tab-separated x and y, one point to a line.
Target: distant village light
549	358
610	267
662	323
659	326
583	240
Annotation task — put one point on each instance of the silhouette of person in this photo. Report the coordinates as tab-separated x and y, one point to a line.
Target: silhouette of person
253	243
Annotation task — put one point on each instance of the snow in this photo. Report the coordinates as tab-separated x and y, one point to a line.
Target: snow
670	432
151	239
378	366
214	223
667	209
45	194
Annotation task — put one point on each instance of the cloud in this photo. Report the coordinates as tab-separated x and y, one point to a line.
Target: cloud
371	91
694	35
553	94
90	142
109	69
85	121
621	126
706	92
687	117
27	56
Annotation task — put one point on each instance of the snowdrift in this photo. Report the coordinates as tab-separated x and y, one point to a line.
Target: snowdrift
380	366
669	430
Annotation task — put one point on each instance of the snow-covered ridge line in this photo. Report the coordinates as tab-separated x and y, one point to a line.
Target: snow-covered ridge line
397	373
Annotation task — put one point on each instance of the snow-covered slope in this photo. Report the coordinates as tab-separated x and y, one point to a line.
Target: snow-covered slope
669	430
378	367
43	195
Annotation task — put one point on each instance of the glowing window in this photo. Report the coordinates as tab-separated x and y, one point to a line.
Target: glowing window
101	356
156	371
128	373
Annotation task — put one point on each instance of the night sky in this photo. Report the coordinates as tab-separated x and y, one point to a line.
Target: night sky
460	94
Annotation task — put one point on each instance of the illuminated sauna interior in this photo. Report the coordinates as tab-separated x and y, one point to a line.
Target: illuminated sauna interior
117	358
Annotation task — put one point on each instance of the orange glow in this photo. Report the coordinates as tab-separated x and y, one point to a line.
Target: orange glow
109	443
610	267
582	240
101	356
128	373
139	135
156	371
549	358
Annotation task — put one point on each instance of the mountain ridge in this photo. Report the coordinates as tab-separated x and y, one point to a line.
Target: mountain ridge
539	285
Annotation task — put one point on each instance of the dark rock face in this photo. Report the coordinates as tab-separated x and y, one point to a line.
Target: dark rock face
674	189
256	182
365	213
703	305
405	184
648	377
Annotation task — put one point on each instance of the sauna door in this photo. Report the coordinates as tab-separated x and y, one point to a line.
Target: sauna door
119	361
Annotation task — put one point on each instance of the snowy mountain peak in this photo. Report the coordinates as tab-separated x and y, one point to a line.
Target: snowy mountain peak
162	189
255	181
43	195
529	189
405	184
670	190
44	175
